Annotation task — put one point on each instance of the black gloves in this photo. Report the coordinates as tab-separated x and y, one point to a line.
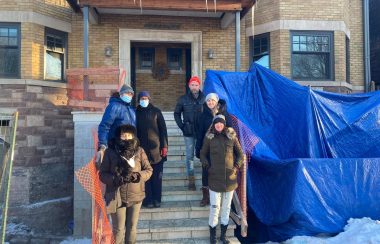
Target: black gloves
133	177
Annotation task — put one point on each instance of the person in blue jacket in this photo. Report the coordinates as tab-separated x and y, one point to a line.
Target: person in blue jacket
118	112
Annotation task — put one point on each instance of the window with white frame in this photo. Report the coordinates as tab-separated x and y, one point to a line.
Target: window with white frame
10	50
312	55
55	42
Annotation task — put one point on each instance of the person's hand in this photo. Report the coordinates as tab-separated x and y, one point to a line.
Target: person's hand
100	155
135	177
164	152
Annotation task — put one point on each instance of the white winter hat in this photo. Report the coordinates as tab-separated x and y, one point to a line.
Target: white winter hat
212	96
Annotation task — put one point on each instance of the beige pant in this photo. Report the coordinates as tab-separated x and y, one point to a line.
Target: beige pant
124	223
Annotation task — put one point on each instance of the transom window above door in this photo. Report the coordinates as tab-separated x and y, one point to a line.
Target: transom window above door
174	58
146	57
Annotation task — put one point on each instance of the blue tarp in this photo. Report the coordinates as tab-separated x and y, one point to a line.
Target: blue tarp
317	162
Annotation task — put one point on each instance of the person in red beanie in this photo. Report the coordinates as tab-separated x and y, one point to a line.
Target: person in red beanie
189	107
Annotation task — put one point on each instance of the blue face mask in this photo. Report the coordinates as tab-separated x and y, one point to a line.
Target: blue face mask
126	98
144	103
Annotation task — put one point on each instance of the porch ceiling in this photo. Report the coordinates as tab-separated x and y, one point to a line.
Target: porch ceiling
172	5
210	14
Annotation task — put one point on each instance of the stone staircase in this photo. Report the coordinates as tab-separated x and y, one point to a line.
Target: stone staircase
180	219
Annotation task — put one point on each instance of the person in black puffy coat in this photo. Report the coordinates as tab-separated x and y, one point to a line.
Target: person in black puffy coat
153	136
189	106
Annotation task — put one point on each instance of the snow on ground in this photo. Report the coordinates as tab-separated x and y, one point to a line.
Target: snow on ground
357	231
76	241
363	230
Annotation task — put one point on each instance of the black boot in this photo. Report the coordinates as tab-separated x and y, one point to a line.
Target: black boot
223	230
212	235
206	197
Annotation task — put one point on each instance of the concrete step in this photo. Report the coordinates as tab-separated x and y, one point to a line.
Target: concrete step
176	140
180	193
174	130
172	152
177	229
233	240
177	146
175	210
181	170
176	157
180	167
175	133
179	179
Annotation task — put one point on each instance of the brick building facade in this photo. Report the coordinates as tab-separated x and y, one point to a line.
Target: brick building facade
46	38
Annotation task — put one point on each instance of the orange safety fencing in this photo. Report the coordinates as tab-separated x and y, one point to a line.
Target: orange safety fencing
248	140
88	177
90	88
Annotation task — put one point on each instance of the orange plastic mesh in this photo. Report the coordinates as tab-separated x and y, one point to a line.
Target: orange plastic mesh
88	176
248	140
94	93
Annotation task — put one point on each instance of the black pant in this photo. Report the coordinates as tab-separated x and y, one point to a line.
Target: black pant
153	187
204	176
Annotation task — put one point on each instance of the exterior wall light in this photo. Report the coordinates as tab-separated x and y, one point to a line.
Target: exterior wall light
108	51
211	54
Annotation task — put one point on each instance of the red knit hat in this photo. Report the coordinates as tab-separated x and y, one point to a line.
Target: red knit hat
194	79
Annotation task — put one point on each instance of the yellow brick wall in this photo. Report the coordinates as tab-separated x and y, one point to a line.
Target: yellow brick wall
312	9
340	55
19	5
32	35
356	43
222	41
349	11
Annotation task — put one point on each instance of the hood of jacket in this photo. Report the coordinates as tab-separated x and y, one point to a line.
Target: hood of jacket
229	132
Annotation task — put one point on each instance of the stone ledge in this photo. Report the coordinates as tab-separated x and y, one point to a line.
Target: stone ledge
33	83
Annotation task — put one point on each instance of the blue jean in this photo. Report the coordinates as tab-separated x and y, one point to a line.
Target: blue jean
190	146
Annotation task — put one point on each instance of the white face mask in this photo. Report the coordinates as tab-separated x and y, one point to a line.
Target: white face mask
144	103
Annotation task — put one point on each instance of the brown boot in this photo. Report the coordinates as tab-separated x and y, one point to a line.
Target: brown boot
191	186
206	197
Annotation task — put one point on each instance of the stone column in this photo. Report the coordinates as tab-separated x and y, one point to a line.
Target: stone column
84	150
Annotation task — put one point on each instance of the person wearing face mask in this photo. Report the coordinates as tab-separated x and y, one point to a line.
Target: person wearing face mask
153	136
211	107
189	107
124	170
222	156
118	112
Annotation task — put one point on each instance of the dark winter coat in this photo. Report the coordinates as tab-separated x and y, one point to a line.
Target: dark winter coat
117	113
151	131
191	109
222	154
205	121
134	192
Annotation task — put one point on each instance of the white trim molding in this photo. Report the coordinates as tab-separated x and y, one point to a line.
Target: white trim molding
33	83
36	18
355	88
126	36
316	25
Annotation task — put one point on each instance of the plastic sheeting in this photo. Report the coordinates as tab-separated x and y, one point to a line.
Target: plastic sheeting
317	162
